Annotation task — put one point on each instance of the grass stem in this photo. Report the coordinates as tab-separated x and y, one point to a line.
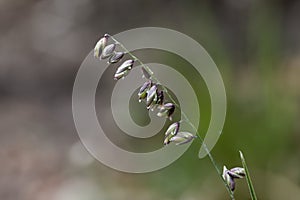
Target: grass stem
248	179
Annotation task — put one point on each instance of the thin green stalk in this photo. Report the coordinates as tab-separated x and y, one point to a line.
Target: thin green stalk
184	115
249	182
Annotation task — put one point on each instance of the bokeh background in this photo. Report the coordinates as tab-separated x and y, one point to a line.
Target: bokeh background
255	44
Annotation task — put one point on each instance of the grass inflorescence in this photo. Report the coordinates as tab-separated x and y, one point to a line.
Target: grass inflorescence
155	100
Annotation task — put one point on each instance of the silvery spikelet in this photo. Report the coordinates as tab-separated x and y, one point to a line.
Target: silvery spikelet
120	75
230	175
124	69
151	96
166	110
182	138
171	132
158	100
100	46
108	51
127	65
237	172
144	89
228	179
116	57
146	73
160	97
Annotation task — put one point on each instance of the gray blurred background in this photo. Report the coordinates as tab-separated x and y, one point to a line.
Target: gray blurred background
255	44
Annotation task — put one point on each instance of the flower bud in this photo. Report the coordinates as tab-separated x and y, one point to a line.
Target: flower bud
171	132
100	46
166	110
116	57
182	138
108	51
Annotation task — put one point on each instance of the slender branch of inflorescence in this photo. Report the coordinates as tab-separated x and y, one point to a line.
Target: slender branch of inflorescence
183	114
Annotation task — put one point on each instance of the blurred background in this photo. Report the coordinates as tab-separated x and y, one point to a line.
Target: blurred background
255	44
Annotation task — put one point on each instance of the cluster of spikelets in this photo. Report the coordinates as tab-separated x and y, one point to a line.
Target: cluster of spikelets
230	175
104	51
149	91
154	99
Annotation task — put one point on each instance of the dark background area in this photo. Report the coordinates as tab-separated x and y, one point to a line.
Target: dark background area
255	44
